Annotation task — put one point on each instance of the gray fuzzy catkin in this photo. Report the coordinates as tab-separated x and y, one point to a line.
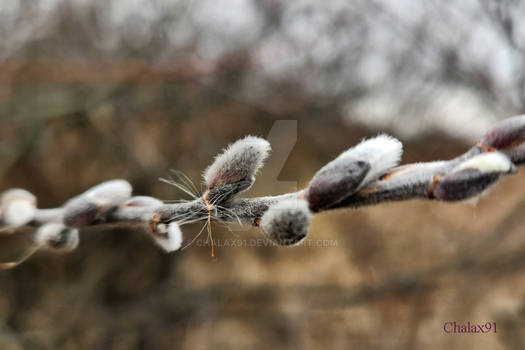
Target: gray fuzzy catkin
57	236
508	136
352	170
463	184
85	208
81	211
240	161
109	192
286	222
473	176
381	153
221	194
334	182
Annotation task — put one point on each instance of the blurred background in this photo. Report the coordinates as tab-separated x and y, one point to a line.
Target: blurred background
95	90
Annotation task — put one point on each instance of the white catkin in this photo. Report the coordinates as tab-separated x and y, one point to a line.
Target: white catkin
492	162
83	209
381	153
110	192
239	161
18	207
142	201
173	239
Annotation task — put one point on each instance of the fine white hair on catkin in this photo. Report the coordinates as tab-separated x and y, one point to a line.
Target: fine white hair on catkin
287	222
142	201
110	192
492	162
239	161
381	153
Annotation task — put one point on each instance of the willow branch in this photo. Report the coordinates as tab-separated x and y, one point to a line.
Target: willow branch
366	174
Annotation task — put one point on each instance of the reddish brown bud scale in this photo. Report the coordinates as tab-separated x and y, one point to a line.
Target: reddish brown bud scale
435	180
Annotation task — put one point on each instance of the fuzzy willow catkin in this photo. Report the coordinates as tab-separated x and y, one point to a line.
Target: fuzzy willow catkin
473	176
17	207
352	170
286	222
95	202
57	236
233	170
